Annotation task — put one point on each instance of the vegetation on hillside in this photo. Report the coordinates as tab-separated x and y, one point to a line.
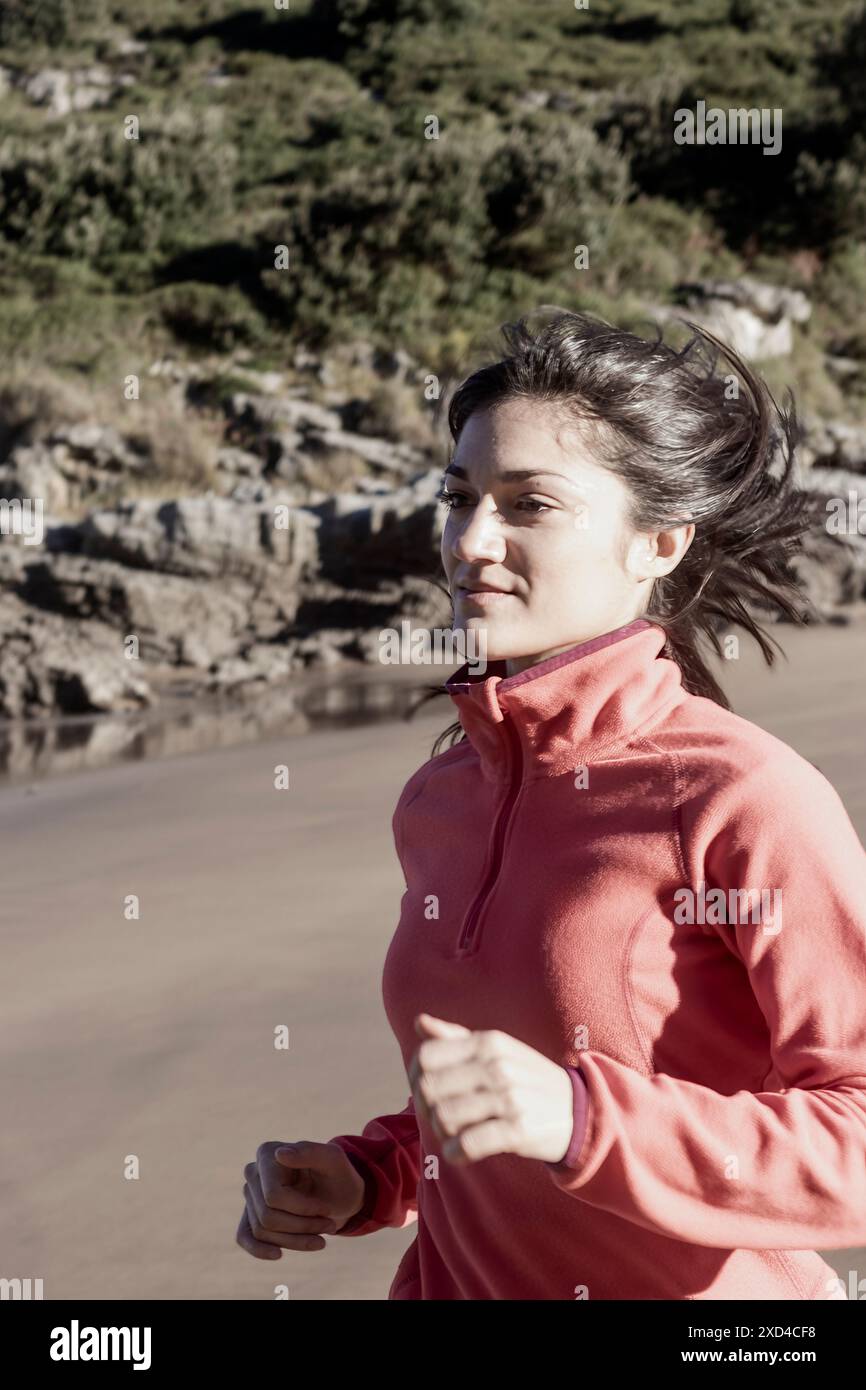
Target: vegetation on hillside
307	128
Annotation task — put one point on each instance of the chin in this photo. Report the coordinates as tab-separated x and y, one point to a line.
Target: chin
497	645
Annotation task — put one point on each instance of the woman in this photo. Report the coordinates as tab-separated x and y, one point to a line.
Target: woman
629	976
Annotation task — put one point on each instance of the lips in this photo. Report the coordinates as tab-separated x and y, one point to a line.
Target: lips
481	598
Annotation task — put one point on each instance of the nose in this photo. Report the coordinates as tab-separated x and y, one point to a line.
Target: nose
477	535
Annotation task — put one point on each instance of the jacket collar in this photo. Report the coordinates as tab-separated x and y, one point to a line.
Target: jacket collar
569	708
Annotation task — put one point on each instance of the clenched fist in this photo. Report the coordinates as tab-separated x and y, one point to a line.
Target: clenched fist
488	1093
294	1195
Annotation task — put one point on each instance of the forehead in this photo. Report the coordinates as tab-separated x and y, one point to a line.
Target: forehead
525	433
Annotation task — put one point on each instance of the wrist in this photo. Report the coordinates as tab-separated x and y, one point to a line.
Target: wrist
364	1211
580	1109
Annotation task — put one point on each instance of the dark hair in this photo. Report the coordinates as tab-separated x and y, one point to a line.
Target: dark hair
690	444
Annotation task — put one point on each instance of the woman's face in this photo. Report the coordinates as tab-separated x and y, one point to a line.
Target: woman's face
533	516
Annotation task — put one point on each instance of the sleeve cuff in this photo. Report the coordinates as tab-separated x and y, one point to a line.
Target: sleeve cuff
365	1212
570	1158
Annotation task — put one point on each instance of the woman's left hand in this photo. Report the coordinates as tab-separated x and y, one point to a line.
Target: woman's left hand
486	1093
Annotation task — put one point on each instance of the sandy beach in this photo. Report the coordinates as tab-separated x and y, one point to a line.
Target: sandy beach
258	907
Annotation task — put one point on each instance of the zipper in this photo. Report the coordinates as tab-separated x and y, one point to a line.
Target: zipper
469	931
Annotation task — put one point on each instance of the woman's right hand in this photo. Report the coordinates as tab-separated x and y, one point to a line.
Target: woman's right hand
294	1200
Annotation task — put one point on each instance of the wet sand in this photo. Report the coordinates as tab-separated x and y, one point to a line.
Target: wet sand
257	908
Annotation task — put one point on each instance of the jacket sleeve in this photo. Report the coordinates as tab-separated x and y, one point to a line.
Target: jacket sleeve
387	1155
579	1117
782	1167
387	1152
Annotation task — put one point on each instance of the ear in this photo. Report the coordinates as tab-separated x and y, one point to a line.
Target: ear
672	545
652	554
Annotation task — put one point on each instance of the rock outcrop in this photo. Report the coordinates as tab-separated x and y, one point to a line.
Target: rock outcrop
313	538
757	320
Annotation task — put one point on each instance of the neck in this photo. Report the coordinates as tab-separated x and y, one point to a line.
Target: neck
514	665
582	704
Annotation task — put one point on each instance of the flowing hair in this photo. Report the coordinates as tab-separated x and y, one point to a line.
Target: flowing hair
690	443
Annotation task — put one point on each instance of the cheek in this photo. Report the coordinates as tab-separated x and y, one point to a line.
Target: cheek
601	537
575	547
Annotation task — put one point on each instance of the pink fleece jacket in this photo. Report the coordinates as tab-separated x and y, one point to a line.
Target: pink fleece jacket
575	876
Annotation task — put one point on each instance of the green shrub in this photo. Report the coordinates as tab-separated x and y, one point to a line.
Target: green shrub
406	217
841	64
28	22
216	317
366	21
95	195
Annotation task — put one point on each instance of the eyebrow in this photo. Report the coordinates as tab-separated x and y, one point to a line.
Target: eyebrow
514	475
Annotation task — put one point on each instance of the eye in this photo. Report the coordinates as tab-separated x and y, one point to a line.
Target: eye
449	497
452	499
535	504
